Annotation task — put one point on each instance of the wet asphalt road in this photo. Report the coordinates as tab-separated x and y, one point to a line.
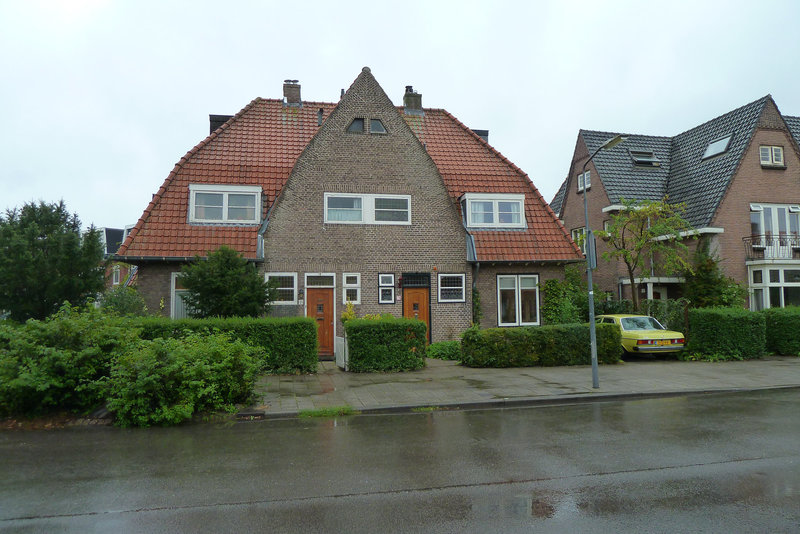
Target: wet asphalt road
713	463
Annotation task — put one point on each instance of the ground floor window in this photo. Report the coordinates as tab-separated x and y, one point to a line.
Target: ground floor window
285	287
517	299
774	286
351	288
386	288
451	288
178	309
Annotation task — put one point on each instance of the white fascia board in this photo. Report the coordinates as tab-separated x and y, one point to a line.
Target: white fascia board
694	232
654	280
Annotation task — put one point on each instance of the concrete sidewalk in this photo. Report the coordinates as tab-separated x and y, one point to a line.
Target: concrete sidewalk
447	384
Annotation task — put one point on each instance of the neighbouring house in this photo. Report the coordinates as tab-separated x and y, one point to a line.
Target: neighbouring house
117	272
739	175
400	210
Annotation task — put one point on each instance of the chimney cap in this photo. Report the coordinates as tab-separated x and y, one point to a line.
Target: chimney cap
409	88
291	81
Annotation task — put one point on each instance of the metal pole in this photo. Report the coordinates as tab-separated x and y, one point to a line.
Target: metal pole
587	236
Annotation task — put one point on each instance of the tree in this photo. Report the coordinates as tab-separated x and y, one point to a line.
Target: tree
45	259
124	301
707	286
647	229
224	285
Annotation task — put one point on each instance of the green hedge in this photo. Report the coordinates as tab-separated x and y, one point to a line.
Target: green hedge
552	345
289	345
783	330
385	344
725	334
445	350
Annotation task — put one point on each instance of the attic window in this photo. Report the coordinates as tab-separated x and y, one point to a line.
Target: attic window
376	126
357	126
718	146
645	158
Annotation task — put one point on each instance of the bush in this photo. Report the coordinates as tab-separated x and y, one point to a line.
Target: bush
386	344
669	312
445	350
166	381
783	330
123	301
288	345
725	334
539	346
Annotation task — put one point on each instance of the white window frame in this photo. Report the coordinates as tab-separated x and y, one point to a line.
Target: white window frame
385	281
173	296
331	275
356	286
367	208
292	302
115	275
225	191
518	301
463	278
584	177
495	199
578	235
774	156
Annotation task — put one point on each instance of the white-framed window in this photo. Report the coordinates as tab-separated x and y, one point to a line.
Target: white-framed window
584	181
348	208
115	275
517	299
775	229
320	280
285	287
774	286
452	287
497	210
579	236
351	288
386	288
225	204
178	308
771	156
717	146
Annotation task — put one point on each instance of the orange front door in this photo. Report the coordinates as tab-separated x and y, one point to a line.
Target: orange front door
416	305
319	304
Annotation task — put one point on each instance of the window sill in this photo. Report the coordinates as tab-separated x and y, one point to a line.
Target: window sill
774	167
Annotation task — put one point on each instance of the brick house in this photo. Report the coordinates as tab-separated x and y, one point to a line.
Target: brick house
739	175
400	210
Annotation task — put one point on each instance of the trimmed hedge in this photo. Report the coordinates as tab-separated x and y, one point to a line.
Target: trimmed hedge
386	344
445	350
289	344
566	344
783	330
725	334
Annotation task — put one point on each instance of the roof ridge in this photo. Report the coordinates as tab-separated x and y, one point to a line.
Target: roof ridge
582	131
761	100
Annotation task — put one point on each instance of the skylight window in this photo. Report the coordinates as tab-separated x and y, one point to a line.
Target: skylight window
645	158
718	147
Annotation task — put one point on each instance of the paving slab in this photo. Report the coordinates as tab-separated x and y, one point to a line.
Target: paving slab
449	385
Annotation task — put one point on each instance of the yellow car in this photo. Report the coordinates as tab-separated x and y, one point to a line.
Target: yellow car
643	334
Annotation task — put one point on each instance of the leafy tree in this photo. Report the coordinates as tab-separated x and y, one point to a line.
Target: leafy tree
645	229
706	285
45	259
225	285
123	300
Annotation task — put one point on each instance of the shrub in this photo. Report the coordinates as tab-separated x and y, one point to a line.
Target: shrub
725	333
166	381
123	301
783	330
445	350
386	344
539	346
669	312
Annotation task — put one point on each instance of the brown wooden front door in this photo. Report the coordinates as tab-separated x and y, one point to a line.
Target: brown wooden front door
319	304
416	302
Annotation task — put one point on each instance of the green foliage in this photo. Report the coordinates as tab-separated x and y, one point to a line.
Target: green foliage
646	229
225	285
477	312
60	363
349	312
331	411
783	330
553	345
608	306
445	350
387	344
287	345
725	333
166	381
46	260
668	312
123	301
567	301
706	286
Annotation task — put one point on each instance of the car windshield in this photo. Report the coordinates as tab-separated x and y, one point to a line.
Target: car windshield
640	323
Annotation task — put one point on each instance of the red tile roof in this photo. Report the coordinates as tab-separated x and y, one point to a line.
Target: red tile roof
260	145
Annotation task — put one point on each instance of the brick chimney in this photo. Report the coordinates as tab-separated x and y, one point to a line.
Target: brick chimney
291	93
412	102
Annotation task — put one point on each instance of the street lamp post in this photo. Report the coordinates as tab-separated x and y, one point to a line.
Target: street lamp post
589	246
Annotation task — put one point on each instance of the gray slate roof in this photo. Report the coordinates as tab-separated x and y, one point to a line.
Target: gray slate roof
684	175
555	204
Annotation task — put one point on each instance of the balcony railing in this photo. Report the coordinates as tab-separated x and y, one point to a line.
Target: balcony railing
772	247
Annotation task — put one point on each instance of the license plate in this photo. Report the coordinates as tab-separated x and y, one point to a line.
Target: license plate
664	342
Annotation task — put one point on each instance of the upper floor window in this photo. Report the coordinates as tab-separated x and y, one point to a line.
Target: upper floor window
376	126
240	204
771	156
584	181
579	236
357	126
115	275
494	210
718	146
346	208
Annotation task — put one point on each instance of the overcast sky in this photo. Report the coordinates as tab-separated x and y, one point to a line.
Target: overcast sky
101	98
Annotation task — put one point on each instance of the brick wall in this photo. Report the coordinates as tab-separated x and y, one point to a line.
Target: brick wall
154	282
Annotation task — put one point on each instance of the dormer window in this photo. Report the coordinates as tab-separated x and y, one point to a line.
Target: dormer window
718	146
645	158
224	204
771	156
497	210
357	126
